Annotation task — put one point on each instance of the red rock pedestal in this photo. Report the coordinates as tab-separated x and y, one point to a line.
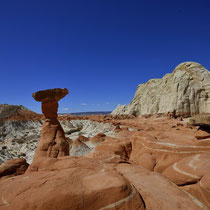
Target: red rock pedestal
52	142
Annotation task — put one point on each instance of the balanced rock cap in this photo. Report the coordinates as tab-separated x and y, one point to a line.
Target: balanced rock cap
50	94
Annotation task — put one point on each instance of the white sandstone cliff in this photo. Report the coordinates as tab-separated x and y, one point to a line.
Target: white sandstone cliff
186	91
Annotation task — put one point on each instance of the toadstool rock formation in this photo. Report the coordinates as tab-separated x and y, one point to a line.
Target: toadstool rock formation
52	142
186	91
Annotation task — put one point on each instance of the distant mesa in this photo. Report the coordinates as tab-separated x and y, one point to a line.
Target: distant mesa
185	92
50	94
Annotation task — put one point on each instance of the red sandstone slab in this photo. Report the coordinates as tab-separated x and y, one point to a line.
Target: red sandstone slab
157	191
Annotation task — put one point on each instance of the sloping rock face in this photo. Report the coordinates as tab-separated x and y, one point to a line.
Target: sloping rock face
193	174
186	91
69	183
157	191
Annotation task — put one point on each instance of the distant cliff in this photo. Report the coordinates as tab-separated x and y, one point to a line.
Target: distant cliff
185	91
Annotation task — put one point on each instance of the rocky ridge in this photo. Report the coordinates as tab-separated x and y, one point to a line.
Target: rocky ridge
186	91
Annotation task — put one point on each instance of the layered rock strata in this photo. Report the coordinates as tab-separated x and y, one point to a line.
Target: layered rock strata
186	91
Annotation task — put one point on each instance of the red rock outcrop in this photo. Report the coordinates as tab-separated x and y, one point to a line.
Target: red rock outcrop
52	142
157	191
100	137
113	150
51	94
82	138
13	167
193	174
69	183
165	144
202	134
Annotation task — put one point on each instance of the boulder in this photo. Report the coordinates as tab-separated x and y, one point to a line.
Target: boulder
50	94
202	134
184	92
13	167
113	150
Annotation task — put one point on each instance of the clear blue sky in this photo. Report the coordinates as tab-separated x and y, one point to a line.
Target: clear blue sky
99	49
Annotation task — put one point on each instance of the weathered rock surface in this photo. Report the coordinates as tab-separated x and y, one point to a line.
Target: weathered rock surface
113	150
192	173
18	138
79	148
50	94
83	146
162	148
202	134
13	167
88	128
188	170
69	183
100	137
156	191
200	120
53	142
185	91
